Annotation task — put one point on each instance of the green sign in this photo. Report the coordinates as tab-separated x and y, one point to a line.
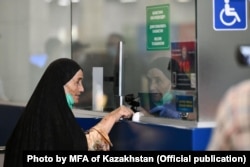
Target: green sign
158	27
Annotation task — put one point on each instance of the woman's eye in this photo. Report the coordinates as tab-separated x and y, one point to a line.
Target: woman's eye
79	82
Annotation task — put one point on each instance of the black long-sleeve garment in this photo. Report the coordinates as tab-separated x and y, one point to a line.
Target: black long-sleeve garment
47	122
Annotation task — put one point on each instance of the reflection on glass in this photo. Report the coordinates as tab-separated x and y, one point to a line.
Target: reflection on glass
92	43
161	97
95	22
161	100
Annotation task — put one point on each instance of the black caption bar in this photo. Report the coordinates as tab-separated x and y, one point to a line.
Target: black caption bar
156	158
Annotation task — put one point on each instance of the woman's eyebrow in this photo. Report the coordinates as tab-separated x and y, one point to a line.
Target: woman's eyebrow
80	78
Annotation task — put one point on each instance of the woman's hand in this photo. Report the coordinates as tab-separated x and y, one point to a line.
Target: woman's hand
108	121
122	112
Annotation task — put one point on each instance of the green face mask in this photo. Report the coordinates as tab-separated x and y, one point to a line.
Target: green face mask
70	100
167	98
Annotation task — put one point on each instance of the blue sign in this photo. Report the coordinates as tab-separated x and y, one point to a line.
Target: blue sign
184	103
229	15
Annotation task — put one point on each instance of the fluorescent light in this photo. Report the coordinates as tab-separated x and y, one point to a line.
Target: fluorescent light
128	1
75	1
183	1
63	2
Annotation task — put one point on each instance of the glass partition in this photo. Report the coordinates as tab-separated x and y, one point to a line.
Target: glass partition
144	51
145	33
156	41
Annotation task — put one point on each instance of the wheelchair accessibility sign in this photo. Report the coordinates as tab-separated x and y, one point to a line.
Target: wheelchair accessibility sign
229	15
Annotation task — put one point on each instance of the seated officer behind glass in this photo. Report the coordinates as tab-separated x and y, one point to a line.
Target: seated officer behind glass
161	96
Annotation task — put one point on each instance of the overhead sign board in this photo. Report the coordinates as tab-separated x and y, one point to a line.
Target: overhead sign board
158	27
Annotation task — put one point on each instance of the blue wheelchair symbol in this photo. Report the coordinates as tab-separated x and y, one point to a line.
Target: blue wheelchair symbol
230	14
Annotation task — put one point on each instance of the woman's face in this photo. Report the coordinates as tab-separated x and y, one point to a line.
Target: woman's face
159	84
74	86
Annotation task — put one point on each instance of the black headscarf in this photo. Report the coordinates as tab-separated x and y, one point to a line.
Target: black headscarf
47	122
163	64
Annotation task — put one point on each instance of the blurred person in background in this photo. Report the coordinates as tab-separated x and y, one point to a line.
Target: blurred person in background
107	60
78	52
53	49
232	130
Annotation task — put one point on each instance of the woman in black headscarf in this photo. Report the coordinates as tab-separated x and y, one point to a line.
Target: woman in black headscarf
48	123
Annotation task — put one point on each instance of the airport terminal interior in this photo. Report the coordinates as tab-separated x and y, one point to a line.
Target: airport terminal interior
192	43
